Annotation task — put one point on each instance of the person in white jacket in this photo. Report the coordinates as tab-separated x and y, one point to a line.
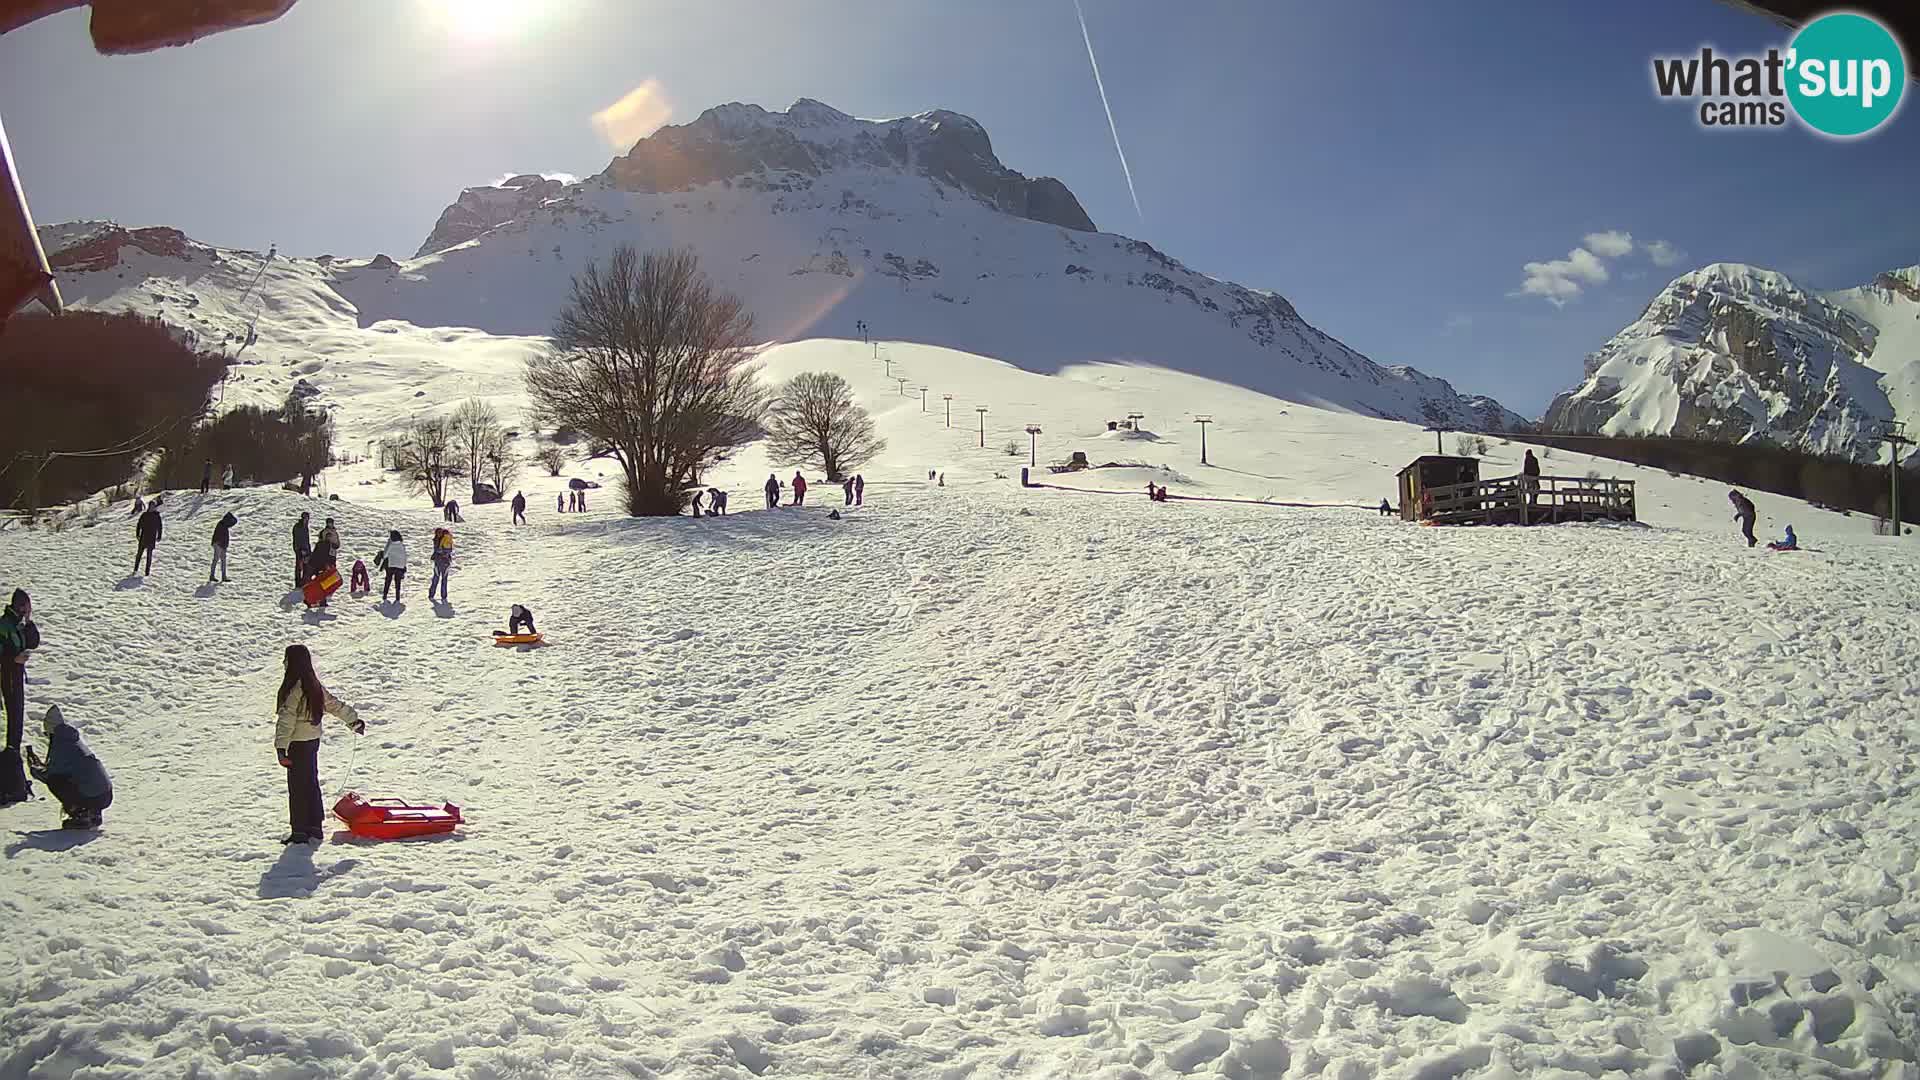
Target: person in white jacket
301	703
394	558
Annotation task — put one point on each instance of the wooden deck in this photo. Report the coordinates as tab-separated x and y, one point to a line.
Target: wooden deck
1507	500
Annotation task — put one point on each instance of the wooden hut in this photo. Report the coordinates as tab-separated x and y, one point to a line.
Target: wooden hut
1428	472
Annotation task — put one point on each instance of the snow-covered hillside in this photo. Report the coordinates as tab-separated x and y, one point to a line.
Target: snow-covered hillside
1735	352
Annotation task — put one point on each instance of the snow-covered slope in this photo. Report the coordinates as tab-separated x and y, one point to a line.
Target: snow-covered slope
1734	352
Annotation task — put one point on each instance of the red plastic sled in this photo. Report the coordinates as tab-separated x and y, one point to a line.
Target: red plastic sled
394	819
320	587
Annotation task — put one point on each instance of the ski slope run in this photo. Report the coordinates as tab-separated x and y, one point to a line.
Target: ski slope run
983	782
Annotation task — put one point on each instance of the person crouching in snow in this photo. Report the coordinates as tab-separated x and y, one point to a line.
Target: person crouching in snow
361	583
73	774
517	618
301	703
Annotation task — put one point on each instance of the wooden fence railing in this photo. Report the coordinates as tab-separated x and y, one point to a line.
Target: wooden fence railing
1529	500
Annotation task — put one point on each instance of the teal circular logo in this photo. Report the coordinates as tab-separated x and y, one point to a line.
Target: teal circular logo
1845	74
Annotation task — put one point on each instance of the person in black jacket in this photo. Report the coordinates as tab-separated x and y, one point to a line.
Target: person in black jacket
302	550
18	637
1530	478
147	534
519	509
222	532
206	476
1744	510
73	775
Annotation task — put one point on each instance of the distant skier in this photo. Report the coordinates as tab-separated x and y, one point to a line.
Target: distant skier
299	706
222	534
1791	543
846	486
147	536
519	509
392	558
206	475
302	550
799	489
1530	478
1743	509
442	563
72	774
773	491
859	490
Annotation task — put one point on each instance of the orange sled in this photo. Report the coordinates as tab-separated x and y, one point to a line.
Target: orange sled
393	819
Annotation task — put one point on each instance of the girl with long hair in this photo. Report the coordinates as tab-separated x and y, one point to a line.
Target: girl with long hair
301	703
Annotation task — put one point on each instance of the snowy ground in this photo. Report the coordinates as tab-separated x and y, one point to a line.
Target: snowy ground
983	782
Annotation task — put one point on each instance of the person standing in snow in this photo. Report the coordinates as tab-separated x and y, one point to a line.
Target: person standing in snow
718	502
799	489
846	488
226	480
299	706
559	503
393	558
583	500
72	774
147	536
206	476
519	509
1743	509
1530	478
139	506
697	494
859	490
222	534
302	550
18	637
442	563
327	555
773	491
943	480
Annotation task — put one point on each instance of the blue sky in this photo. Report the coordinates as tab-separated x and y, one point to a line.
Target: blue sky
1390	168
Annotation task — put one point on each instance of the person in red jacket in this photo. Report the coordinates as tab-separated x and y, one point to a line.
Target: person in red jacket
799	489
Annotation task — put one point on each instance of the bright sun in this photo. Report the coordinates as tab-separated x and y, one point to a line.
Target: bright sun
482	18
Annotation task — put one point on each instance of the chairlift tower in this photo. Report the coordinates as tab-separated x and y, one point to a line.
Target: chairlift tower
982	410
948	398
1203	421
1896	436
1133	420
923	399
1033	445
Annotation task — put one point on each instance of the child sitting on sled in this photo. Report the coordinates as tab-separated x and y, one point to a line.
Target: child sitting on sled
1789	544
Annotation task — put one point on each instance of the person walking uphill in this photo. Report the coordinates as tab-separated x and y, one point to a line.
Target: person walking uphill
147	535
302	550
222	534
394	558
519	509
1744	510
299	706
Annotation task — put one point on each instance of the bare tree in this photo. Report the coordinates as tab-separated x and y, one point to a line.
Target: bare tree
502	464
476	433
815	421
650	360
423	454
553	457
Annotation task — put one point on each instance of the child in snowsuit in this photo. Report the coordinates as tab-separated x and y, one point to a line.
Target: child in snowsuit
1791	543
361	583
519	617
72	773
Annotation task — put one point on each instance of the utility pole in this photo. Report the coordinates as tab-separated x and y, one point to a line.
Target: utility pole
1033	445
1203	421
948	398
982	410
923	399
1896	437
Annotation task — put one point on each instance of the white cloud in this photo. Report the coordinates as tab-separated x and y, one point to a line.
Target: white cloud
1562	279
1664	254
1610	244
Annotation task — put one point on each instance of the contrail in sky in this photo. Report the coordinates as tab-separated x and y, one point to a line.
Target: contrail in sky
1111	126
